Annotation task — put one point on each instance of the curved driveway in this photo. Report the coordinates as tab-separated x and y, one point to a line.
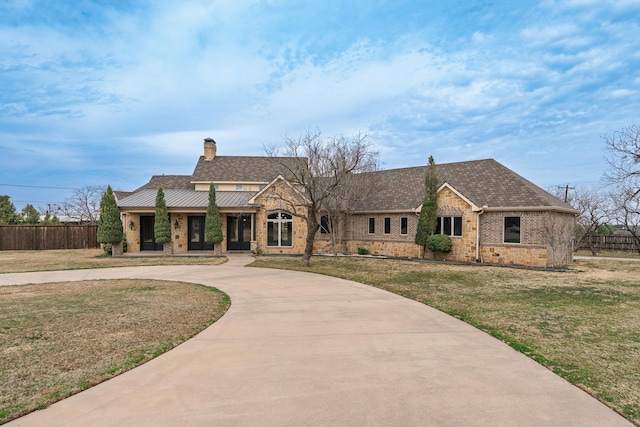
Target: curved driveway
297	349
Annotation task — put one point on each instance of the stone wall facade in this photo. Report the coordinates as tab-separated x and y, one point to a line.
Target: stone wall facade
545	237
179	235
131	224
403	245
280	198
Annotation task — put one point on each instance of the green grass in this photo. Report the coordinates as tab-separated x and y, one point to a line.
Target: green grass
583	324
58	339
24	261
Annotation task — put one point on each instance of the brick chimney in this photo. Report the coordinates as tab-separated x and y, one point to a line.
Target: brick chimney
209	149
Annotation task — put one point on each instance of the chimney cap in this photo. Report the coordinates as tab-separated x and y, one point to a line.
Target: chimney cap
209	140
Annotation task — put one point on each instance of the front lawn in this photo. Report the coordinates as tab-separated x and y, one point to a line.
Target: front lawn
583	324
74	259
58	339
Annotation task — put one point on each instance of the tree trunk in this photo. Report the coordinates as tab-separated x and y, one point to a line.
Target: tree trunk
312	228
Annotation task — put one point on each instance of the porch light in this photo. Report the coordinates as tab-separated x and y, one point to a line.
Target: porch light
132	224
176	225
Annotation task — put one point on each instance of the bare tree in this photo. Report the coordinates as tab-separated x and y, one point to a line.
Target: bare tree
84	204
595	211
321	170
624	177
624	158
557	231
345	199
627	211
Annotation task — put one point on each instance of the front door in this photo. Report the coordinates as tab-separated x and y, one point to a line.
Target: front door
196	234
147	235
238	232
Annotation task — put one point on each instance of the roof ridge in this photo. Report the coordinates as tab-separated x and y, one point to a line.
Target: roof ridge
439	164
256	157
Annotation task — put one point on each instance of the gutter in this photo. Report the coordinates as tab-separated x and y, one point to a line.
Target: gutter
529	209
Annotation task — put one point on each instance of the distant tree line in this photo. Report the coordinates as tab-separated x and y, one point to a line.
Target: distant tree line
28	215
82	207
614	208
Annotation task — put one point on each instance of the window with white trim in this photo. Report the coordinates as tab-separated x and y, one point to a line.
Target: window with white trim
280	229
387	225
449	225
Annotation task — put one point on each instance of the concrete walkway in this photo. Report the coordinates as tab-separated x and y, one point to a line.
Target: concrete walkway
300	349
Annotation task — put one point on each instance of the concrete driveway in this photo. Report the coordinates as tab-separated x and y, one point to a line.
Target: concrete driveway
298	349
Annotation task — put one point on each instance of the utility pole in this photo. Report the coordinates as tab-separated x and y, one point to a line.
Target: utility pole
566	191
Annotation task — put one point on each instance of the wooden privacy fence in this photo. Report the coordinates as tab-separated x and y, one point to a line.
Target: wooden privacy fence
609	243
43	237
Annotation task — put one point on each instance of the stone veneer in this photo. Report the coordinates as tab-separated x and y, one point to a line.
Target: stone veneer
538	232
402	245
179	235
273	200
537	229
132	236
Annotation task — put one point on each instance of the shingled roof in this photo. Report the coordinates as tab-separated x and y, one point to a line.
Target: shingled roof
483	182
168	181
242	169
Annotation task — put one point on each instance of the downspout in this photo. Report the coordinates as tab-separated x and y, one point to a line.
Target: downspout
480	212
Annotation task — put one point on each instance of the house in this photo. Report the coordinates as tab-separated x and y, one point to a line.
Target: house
491	213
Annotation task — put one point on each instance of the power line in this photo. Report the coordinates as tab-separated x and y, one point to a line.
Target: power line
37	186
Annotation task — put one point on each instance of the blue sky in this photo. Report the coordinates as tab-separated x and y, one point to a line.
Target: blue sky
111	92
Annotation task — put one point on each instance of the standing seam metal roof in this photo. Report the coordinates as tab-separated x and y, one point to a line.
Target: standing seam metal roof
179	198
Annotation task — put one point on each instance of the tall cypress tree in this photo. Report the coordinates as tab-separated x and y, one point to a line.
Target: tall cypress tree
161	226
212	225
110	228
429	213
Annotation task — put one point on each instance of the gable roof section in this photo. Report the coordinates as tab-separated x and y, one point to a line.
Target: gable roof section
272	184
184	198
482	182
166	182
242	169
121	194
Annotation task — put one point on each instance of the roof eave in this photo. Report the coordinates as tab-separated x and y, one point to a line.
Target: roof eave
530	209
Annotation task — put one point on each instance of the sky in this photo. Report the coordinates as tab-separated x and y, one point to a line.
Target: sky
111	91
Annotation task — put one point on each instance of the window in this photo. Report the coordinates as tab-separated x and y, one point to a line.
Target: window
279	229
216	186
512	229
449	225
238	186
403	225
387	226
325	224
372	225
